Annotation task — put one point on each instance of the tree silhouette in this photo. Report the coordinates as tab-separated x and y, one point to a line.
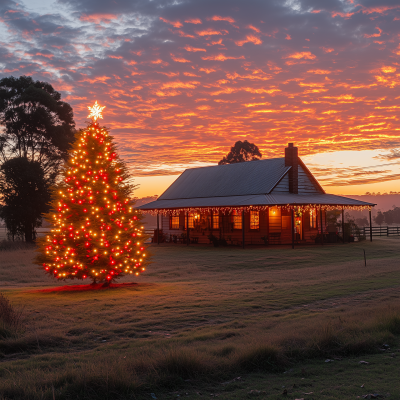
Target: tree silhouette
38	127
240	152
25	196
37	124
379	218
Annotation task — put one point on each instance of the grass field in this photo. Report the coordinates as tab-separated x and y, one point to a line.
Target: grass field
207	322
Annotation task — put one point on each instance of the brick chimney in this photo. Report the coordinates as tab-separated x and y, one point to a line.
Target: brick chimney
291	160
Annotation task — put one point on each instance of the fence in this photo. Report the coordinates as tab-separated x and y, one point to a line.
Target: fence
382	230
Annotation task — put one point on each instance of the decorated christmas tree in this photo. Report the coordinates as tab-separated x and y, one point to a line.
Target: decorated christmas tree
96	233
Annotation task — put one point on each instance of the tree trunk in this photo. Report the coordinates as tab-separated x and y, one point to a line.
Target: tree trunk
28	232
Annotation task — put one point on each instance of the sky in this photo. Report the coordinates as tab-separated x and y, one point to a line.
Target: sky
183	80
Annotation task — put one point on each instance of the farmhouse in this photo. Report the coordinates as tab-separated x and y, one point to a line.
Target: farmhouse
272	201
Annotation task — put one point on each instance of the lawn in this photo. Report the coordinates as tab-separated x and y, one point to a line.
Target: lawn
206	321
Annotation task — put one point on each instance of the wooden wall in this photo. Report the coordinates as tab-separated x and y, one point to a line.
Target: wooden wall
274	220
306	185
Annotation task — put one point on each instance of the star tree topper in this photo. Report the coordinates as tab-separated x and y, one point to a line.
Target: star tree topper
96	112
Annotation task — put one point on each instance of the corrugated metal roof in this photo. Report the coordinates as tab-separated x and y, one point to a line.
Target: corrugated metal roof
255	200
246	178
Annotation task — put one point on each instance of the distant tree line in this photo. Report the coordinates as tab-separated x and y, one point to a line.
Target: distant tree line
36	131
388	217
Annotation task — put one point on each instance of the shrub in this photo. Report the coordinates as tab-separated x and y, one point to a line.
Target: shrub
10	320
261	357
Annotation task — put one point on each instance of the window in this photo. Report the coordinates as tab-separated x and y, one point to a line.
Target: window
254	220
191	220
215	221
174	221
313	218
236	219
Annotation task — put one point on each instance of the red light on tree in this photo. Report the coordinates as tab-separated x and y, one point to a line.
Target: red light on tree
94	218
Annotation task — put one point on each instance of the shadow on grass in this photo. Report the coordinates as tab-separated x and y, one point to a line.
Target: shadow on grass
88	288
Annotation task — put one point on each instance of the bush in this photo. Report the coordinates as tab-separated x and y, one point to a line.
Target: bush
10	320
261	357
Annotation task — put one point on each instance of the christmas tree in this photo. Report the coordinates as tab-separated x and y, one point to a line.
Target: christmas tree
96	233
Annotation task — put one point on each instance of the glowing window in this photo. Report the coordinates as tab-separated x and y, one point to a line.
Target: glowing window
215	221
236	219
191	220
313	218
254	220
174	221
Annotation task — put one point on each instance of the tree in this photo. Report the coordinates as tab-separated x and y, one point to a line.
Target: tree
96	233
25	196
240	152
379	218
37	124
392	216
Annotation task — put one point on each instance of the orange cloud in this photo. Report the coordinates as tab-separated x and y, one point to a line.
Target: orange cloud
191	74
249	39
203	108
207	70
161	62
257	104
219	18
211	32
193	21
180	84
97	18
180	59
221	57
330	112
328	49
49	55
170	93
258	91
341	14
378	9
175	24
374	34
183	34
254	28
319	71
388	69
194	49
307	55
288	37
216	42
315	11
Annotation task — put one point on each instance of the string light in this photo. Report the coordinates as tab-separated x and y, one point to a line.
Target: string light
92	233
229	210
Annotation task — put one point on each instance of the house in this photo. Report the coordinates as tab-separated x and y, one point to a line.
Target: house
275	200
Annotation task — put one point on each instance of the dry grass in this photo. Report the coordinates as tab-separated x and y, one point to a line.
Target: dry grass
198	312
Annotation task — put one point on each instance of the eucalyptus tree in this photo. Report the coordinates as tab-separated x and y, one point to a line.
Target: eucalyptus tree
25	197
35	124
36	132
240	152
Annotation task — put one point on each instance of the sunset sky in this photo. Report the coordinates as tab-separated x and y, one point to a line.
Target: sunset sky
183	80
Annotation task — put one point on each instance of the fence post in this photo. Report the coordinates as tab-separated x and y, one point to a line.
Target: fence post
387	230
243	227
343	224
370	226
158	228
322	225
187	228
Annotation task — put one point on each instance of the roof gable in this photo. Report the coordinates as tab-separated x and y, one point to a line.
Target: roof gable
247	178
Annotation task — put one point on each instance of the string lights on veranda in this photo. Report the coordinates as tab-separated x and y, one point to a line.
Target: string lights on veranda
96	233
